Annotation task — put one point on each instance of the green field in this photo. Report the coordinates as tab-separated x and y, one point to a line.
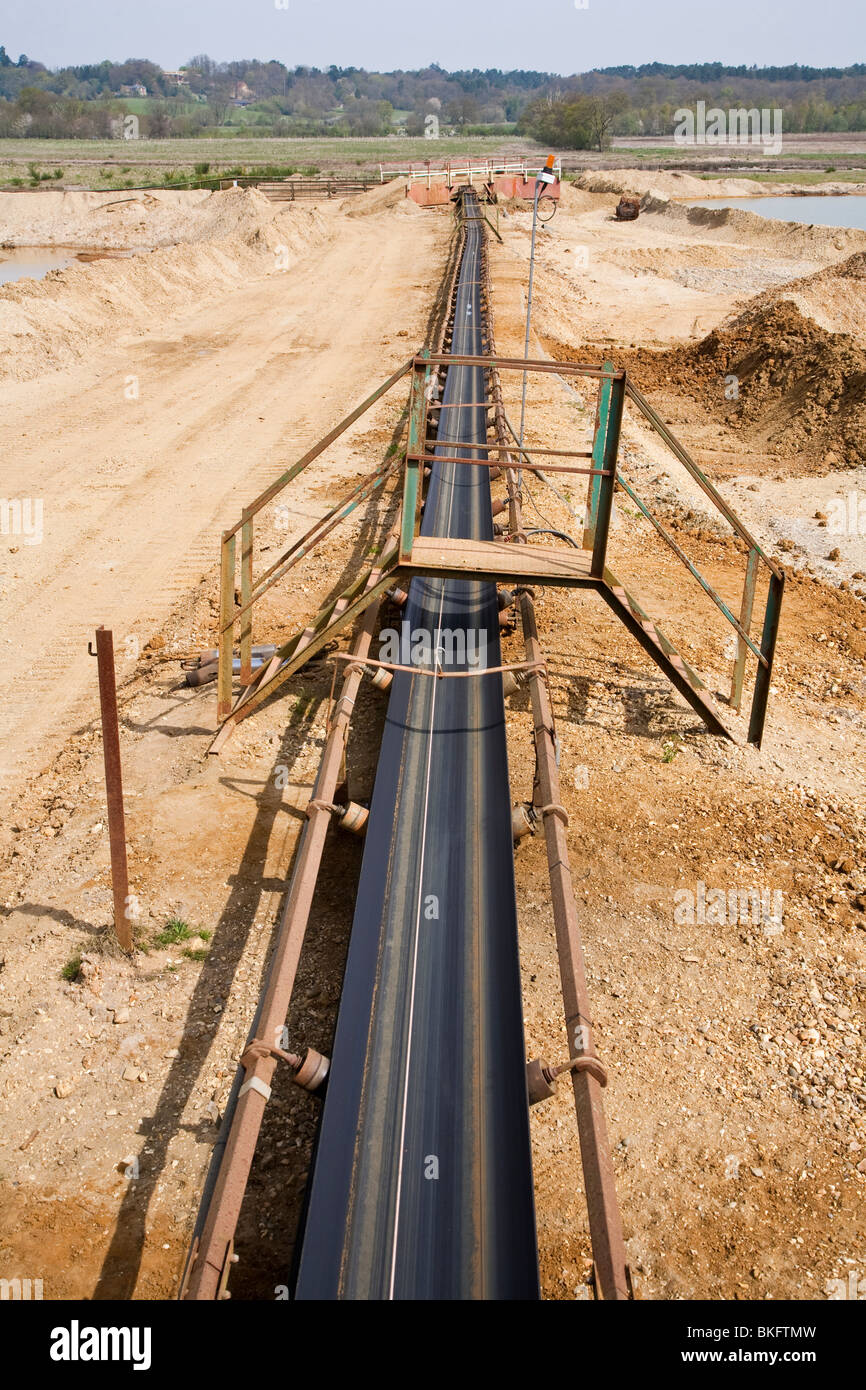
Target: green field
108	164
115	163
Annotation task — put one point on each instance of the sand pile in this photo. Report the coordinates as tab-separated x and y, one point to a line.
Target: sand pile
387	195
573	197
790	239
131	221
800	387
834	298
670	184
227	239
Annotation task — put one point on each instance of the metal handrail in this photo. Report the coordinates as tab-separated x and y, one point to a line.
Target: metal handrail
693	569
700	478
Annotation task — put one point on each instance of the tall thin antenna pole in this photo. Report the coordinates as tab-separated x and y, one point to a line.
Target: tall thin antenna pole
545	176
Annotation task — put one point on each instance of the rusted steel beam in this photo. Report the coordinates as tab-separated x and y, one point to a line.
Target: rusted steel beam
746	609
510	449
213	1244
654	631
226	626
518	364
246	618
498	463
665	656
113	786
605	1224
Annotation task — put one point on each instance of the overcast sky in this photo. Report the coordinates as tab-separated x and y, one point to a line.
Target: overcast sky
550	35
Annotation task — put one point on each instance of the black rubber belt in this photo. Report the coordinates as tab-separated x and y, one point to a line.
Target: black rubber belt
422	1187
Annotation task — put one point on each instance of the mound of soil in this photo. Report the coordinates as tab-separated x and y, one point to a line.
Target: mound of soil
387	195
799	388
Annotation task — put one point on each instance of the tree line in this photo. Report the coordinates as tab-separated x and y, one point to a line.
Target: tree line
270	98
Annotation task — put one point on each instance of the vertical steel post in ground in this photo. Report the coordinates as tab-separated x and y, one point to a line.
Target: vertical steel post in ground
413	471
226	632
246	601
113	786
761	693
745	623
241	1126
607	482
602	409
605	1225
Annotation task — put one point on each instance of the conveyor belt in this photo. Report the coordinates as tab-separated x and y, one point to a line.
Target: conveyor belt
422	1187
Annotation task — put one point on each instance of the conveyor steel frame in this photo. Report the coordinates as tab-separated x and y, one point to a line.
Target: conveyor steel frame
235	1149
604	476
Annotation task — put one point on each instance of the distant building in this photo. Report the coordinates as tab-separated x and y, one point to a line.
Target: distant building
135	89
181	78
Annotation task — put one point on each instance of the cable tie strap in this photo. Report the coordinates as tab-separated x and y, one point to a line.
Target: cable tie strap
344	705
554	809
255	1083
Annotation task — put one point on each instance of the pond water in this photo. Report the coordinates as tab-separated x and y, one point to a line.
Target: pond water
34	262
844	210
18	262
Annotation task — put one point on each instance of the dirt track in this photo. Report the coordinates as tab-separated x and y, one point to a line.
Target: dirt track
228	394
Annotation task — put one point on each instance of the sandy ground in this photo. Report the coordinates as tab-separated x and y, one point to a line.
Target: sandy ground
189	387
735	1052
673	184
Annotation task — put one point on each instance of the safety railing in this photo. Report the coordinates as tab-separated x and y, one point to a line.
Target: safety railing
600	465
602	457
457	170
252	588
764	649
604	476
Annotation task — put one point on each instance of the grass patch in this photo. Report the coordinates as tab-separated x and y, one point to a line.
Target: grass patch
174	931
72	968
200	953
